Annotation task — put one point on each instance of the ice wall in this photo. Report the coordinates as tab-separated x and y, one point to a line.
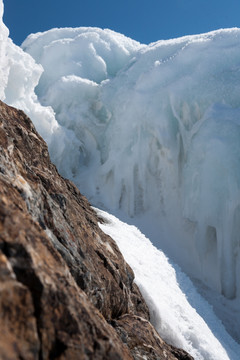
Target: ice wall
158	136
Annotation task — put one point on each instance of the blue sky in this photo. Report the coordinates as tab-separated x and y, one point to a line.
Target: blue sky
142	20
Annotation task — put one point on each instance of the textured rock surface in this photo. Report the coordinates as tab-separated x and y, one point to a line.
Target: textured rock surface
65	290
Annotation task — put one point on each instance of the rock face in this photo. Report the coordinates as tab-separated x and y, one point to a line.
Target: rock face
65	290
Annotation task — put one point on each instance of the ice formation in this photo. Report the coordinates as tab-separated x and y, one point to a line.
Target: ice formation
157	131
148	132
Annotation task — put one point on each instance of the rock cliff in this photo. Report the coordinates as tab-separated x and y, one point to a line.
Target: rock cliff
65	290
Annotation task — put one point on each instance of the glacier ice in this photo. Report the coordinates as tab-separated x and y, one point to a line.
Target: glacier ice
157	132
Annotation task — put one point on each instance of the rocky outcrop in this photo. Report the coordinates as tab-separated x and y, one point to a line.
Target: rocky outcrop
65	290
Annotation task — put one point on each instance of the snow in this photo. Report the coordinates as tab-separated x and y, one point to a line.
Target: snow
19	76
169	294
3	59
150	133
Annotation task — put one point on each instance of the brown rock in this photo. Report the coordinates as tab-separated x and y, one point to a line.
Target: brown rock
143	340
65	290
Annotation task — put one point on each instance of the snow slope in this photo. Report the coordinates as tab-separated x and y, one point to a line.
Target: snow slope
170	308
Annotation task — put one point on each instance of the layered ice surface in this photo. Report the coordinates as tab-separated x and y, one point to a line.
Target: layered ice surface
151	133
156	136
